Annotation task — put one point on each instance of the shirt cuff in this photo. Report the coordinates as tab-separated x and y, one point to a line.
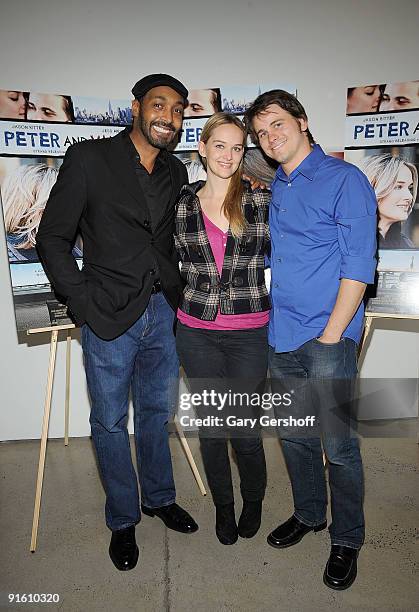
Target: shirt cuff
361	269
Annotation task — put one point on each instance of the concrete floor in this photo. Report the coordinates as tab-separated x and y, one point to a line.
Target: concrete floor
194	572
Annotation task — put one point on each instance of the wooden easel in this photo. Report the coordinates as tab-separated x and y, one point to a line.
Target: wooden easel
47	411
370	316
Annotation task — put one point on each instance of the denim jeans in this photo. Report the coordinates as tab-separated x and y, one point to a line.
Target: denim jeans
237	358
324	374
143	360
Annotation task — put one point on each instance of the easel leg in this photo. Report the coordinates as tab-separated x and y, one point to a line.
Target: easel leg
190	458
44	437
67	387
367	329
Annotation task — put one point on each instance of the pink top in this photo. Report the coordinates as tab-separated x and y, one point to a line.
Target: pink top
218	240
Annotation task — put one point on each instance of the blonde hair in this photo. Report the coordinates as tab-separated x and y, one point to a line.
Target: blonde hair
232	204
382	172
24	195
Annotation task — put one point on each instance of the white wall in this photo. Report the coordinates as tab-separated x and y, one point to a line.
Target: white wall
102	47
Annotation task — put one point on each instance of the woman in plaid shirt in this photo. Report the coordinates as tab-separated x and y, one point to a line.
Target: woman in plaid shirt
222	237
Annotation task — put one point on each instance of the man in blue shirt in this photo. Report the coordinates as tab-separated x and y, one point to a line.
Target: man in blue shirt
323	232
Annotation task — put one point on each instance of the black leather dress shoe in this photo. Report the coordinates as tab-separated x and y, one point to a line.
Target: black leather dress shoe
341	568
291	532
249	521
174	517
123	549
225	524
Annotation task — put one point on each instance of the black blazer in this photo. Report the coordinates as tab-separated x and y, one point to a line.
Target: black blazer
97	194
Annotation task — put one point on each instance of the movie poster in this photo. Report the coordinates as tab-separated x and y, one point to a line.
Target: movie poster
35	131
382	139
203	103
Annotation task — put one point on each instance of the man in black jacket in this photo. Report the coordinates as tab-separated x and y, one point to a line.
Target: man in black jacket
119	194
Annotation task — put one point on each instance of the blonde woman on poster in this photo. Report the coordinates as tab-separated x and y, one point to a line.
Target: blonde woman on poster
395	182
24	195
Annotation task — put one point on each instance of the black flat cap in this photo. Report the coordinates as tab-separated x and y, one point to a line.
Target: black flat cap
156	80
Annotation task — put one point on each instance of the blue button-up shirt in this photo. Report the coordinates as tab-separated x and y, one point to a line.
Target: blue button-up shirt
323	228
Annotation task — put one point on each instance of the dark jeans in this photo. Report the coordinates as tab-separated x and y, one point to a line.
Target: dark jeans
144	360
235	358
324	374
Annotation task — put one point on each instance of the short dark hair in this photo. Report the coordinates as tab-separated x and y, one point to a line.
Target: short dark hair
68	108
216	101
284	100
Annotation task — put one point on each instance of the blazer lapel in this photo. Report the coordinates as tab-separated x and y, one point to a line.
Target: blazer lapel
121	165
174	181
174	190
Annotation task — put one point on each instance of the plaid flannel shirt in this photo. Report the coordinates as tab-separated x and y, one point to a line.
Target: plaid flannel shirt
241	288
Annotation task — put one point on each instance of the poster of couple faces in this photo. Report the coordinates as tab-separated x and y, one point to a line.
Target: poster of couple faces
35	132
382	139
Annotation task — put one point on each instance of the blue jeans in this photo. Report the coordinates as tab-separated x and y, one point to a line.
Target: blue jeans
143	360
323	375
